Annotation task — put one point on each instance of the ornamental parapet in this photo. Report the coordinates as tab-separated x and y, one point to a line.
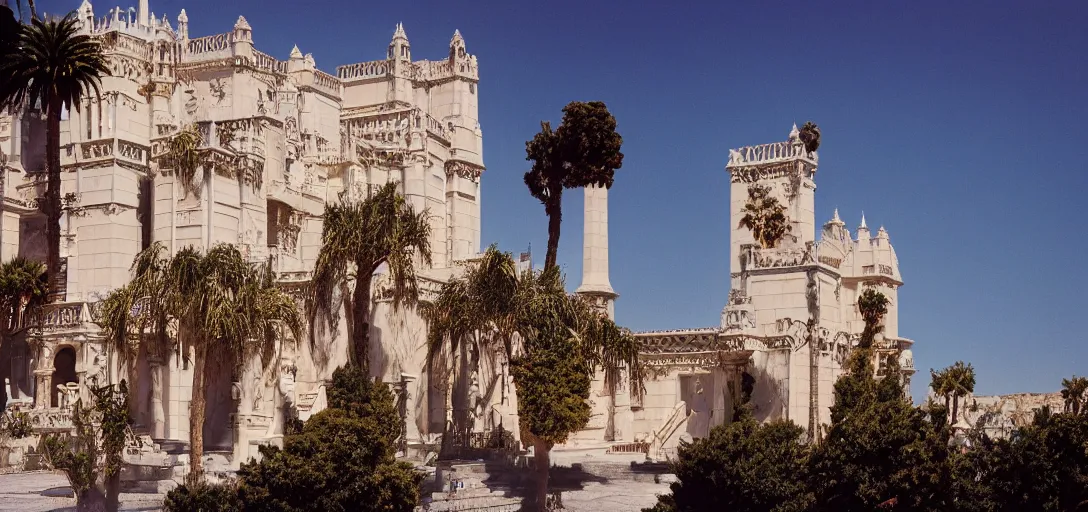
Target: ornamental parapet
64	316
769	154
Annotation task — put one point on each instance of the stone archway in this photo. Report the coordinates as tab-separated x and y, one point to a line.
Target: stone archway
64	372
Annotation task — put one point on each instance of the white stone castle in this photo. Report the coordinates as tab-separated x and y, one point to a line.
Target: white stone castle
414	122
291	125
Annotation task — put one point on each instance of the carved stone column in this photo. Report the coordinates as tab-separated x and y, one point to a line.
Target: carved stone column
408	386
41	390
158	414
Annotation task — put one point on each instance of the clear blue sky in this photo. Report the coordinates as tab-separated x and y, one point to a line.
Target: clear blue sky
960	126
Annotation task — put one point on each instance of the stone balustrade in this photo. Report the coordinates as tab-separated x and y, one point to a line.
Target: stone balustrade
213	46
326	83
754	257
269	63
61	316
775	152
363	70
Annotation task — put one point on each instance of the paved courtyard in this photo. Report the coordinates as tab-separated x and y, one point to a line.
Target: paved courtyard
22	492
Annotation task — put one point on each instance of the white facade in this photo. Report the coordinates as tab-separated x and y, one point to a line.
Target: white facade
296	138
761	345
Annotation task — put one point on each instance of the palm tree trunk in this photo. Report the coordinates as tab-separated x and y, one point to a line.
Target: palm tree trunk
52	192
33	9
360	333
948	409
555	222
955	409
197	406
542	459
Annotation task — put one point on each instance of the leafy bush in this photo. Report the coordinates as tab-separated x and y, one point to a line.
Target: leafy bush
343	459
200	496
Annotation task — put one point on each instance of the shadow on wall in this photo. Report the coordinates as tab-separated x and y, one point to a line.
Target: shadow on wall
768	397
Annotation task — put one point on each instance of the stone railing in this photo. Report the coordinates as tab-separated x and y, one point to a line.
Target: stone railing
774	152
435	126
133	152
214	46
96	149
882	269
326	83
61	316
124	43
754	257
363	70
267	62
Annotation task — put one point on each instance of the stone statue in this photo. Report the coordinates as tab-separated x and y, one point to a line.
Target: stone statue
475	400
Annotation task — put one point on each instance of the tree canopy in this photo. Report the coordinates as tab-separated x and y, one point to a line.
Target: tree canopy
583	151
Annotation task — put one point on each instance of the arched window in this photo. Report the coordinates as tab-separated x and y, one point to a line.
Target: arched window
64	372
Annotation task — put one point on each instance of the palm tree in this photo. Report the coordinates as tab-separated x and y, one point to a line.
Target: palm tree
138	314
220	306
961	381
764	216
810	136
55	67
19	5
1073	391
940	384
494	308
226	308
361	237
22	290
583	151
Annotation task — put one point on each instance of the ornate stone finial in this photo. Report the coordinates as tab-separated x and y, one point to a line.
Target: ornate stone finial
242	23
399	33
863	226
296	53
457	39
183	18
795	134
309	59
835	218
85	8
882	233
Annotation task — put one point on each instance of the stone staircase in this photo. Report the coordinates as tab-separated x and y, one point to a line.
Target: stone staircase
464	490
156	467
148	469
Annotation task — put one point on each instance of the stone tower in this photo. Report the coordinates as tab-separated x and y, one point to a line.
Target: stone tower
595	282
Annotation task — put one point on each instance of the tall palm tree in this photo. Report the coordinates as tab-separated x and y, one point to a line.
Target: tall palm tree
138	314
962	383
228	309
522	317
1073	391
360	237
220	306
941	386
583	151
765	217
55	67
